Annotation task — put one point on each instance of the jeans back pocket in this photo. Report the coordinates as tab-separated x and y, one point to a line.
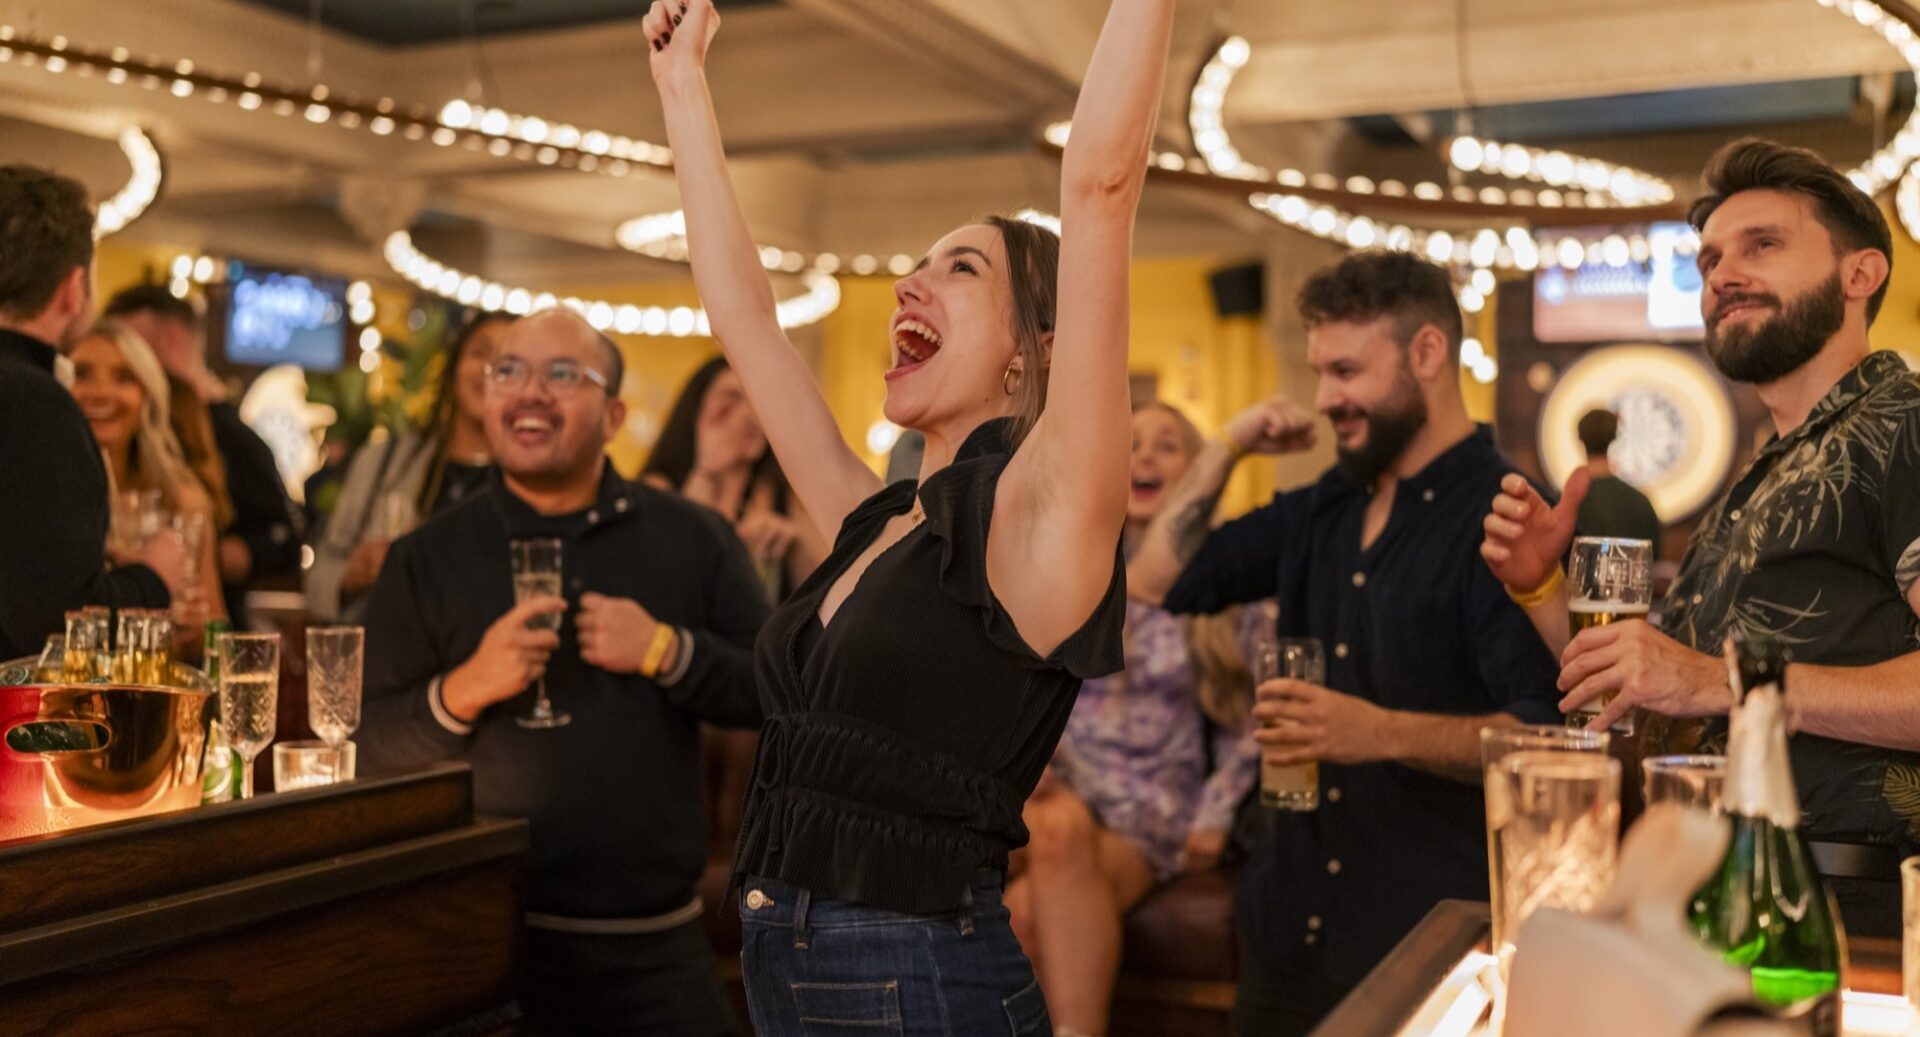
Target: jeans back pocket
1027	1012
848	1009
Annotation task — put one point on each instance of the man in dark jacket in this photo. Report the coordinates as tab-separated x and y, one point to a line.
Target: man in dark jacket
264	541
1613	508
664	606
53	524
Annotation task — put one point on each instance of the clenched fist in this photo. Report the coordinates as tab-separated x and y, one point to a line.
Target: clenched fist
1275	425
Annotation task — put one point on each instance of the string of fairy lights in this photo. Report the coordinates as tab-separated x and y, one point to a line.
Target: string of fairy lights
141	188
1539	181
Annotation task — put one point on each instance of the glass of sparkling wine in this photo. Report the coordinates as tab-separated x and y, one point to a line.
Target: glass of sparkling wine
249	696
536	574
1294	786
1609	580
334	656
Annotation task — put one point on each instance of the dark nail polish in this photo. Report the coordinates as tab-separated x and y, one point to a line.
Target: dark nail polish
656	44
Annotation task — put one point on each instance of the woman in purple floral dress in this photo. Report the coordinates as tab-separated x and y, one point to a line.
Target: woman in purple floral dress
1152	767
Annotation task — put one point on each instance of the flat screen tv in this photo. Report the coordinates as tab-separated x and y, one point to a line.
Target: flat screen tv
275	317
1653	295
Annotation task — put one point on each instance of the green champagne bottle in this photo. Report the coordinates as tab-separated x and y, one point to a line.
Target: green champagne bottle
216	773
1767	910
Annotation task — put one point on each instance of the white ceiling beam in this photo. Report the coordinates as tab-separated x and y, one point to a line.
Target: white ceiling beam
1552	51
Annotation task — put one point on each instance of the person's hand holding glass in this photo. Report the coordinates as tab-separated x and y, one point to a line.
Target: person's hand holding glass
249	696
536	575
1609	580
334	657
1294	786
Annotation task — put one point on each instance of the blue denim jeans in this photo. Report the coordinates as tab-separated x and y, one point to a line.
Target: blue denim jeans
830	968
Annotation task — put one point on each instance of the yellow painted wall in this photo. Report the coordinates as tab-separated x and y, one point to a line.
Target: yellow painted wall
1898	326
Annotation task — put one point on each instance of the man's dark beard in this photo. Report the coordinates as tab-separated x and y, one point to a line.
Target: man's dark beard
1391	425
1783	342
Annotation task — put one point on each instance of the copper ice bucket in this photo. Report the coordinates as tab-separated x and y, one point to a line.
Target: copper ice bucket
82	754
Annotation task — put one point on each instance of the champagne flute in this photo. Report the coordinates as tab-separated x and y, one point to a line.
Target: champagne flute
334	656
135	518
536	574
249	696
192	527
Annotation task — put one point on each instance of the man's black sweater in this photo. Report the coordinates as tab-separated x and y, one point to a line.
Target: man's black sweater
53	520
614	798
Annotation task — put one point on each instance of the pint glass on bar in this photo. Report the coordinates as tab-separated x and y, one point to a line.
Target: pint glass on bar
1496	745
1609	580
1293	786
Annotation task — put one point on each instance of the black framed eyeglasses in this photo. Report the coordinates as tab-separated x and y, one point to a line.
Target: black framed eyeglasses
560	376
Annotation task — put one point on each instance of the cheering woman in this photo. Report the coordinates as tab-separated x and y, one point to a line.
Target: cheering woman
915	685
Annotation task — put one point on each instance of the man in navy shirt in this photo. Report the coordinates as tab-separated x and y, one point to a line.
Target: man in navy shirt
1379	560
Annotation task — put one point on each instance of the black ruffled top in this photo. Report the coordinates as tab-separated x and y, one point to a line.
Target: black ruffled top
902	740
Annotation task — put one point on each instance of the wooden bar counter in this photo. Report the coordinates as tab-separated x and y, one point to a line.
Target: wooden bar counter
379	906
1434	967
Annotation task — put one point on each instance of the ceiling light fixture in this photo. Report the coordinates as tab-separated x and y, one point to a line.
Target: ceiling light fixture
141	188
821	298
664	236
1571	180
503	134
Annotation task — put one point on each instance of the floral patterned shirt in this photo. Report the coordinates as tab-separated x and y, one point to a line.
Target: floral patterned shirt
1818	544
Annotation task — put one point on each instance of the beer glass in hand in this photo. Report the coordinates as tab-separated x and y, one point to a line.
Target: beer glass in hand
1294	786
1609	580
536	574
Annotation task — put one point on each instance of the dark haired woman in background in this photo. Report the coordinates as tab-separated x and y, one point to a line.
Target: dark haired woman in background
394	484
712	451
915	686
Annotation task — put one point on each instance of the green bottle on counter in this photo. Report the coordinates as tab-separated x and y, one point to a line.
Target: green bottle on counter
218	775
1766	910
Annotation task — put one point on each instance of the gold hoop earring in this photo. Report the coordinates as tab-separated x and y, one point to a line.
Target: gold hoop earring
1011	380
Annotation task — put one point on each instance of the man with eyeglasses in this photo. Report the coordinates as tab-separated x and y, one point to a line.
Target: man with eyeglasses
664	607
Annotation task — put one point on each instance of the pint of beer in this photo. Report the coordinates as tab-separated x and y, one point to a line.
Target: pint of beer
1609	580
1293	786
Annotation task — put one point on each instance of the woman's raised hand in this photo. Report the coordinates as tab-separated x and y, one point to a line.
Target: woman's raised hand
679	31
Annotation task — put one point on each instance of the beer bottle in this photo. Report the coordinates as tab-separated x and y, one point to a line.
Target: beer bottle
1766	910
217	776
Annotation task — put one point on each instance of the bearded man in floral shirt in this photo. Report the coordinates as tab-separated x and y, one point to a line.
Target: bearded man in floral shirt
1817	543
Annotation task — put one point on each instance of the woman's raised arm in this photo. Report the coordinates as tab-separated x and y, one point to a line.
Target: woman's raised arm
1065	492
828	477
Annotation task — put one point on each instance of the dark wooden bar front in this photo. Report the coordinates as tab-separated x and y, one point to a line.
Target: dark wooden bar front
379	906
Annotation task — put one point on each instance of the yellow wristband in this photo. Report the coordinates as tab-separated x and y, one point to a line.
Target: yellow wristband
657	650
1234	450
1539	595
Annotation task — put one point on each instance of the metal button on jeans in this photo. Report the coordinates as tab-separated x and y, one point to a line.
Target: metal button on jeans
757	900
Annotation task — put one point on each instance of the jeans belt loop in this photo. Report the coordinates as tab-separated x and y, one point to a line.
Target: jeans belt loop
966	909
801	901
